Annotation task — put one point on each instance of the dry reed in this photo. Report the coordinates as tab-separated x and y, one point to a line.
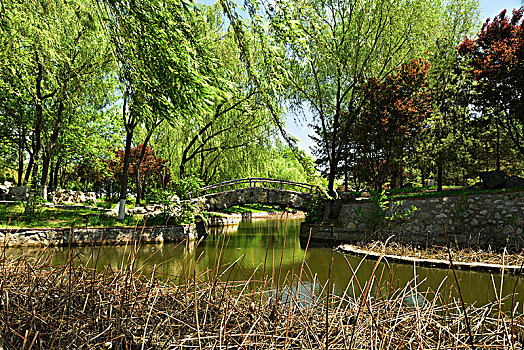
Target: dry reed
468	255
78	306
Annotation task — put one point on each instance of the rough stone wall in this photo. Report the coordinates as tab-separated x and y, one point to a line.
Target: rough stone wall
484	220
111	235
292	199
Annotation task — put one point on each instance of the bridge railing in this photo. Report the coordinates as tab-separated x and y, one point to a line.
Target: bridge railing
257	182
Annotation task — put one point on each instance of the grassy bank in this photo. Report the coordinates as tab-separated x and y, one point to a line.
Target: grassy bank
431	192
81	305
12	216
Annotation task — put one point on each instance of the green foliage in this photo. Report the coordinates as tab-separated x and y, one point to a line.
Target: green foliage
187	187
316	210
378	215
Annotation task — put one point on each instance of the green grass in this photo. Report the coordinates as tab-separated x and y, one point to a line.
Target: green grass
430	192
12	216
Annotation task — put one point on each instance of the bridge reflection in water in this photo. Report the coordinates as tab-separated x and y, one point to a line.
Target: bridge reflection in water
270	250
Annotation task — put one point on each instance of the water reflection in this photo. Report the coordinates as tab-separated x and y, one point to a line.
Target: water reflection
271	250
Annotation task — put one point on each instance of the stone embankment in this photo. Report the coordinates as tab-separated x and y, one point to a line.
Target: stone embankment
82	236
484	220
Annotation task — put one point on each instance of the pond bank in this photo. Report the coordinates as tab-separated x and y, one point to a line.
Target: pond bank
97	235
461	260
17	237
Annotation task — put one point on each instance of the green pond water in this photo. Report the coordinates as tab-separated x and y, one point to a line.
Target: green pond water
261	249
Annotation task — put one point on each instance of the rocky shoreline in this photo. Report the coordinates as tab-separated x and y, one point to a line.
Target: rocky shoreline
97	235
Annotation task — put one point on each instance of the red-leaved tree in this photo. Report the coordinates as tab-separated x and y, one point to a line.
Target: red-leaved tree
151	173
393	113
497	59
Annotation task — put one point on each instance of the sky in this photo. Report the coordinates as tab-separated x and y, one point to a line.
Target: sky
298	127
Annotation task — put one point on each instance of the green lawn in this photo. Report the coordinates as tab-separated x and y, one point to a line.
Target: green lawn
12	216
429	192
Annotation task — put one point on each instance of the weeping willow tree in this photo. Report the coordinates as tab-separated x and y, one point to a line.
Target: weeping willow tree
236	136
163	68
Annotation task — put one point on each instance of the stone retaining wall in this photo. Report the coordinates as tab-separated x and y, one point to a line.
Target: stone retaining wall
484	220
110	235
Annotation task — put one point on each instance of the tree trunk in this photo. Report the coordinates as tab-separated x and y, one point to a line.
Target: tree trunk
38	122
138	189
440	165
37	150
139	162
331	181
57	168
29	168
20	159
110	191
125	174
498	147
50	147
46	160
51	174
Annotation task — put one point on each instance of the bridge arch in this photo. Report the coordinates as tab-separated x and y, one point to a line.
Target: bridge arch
289	194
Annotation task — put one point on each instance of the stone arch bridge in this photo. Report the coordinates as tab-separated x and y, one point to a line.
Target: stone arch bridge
287	194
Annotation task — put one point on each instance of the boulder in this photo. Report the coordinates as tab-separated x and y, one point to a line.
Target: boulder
347	196
69	196
514	182
19	193
137	210
493	179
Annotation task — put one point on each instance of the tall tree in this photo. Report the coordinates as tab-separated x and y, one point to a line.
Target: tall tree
497	59
159	65
61	57
335	46
449	87
393	114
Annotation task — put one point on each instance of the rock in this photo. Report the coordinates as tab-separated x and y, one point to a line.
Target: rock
365	194
137	210
493	179
347	196
514	182
19	193
69	196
